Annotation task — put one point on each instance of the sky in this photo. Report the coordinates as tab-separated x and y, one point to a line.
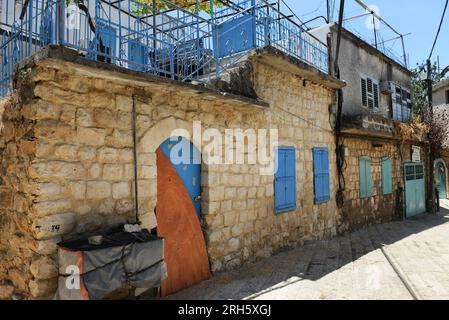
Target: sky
418	17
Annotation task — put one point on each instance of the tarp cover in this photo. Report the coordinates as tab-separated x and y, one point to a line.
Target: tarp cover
123	260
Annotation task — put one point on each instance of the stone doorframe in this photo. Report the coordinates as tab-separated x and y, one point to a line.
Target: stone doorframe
446	172
147	144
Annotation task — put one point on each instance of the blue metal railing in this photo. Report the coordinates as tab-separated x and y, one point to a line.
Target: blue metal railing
277	30
174	42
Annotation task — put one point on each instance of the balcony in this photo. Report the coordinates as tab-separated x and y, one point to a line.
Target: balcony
196	42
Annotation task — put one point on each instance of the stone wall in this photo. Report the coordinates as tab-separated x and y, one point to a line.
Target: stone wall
360	212
18	247
67	163
241	222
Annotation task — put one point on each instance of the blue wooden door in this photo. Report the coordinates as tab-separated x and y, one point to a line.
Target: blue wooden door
186	161
415	198
177	215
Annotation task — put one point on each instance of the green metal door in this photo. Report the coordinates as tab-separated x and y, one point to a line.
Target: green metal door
415	194
441	180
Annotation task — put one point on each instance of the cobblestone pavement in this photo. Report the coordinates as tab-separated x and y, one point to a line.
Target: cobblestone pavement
398	260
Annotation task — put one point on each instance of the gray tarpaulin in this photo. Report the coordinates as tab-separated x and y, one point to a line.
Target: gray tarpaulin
123	260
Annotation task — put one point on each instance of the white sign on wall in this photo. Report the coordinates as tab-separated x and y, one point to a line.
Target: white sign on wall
416	154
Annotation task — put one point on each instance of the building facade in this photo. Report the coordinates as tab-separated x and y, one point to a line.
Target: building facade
67	160
441	112
441	93
92	133
374	156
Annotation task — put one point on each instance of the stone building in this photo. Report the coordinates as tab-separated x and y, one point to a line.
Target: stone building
67	161
88	134
374	156
441	111
441	93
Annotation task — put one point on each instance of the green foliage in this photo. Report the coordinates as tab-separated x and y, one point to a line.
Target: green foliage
203	5
146	6
419	88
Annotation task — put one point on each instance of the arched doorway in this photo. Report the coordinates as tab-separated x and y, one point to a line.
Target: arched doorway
440	176
178	210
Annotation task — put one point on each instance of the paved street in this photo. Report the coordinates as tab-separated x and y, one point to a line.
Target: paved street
398	260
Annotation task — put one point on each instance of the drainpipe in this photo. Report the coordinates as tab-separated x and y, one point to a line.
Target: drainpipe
136	189
339	147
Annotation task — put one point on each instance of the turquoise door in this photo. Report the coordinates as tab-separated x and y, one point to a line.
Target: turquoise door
415	194
441	180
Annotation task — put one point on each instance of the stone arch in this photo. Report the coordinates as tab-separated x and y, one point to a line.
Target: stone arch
147	146
164	129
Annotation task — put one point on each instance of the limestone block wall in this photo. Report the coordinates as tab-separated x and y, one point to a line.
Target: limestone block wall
67	164
359	212
18	247
241	221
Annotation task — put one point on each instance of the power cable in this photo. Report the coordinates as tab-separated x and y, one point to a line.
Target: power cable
312	12
291	11
439	29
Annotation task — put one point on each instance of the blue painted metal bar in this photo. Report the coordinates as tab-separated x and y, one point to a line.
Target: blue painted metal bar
165	40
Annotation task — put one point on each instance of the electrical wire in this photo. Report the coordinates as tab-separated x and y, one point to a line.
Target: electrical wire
312	12
309	122
292	12
439	29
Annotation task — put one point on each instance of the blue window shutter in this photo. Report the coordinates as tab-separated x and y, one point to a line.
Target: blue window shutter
366	184
362	178
321	175
137	55
369	178
387	176
285	180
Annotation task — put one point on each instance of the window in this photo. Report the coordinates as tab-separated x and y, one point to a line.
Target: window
285	180
321	175
401	104
370	93
447	96
366	184
387	176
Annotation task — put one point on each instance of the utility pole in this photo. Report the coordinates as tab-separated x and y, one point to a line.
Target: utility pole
374	28
328	16
403	51
430	121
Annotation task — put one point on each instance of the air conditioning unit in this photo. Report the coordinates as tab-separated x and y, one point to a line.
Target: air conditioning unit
387	87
